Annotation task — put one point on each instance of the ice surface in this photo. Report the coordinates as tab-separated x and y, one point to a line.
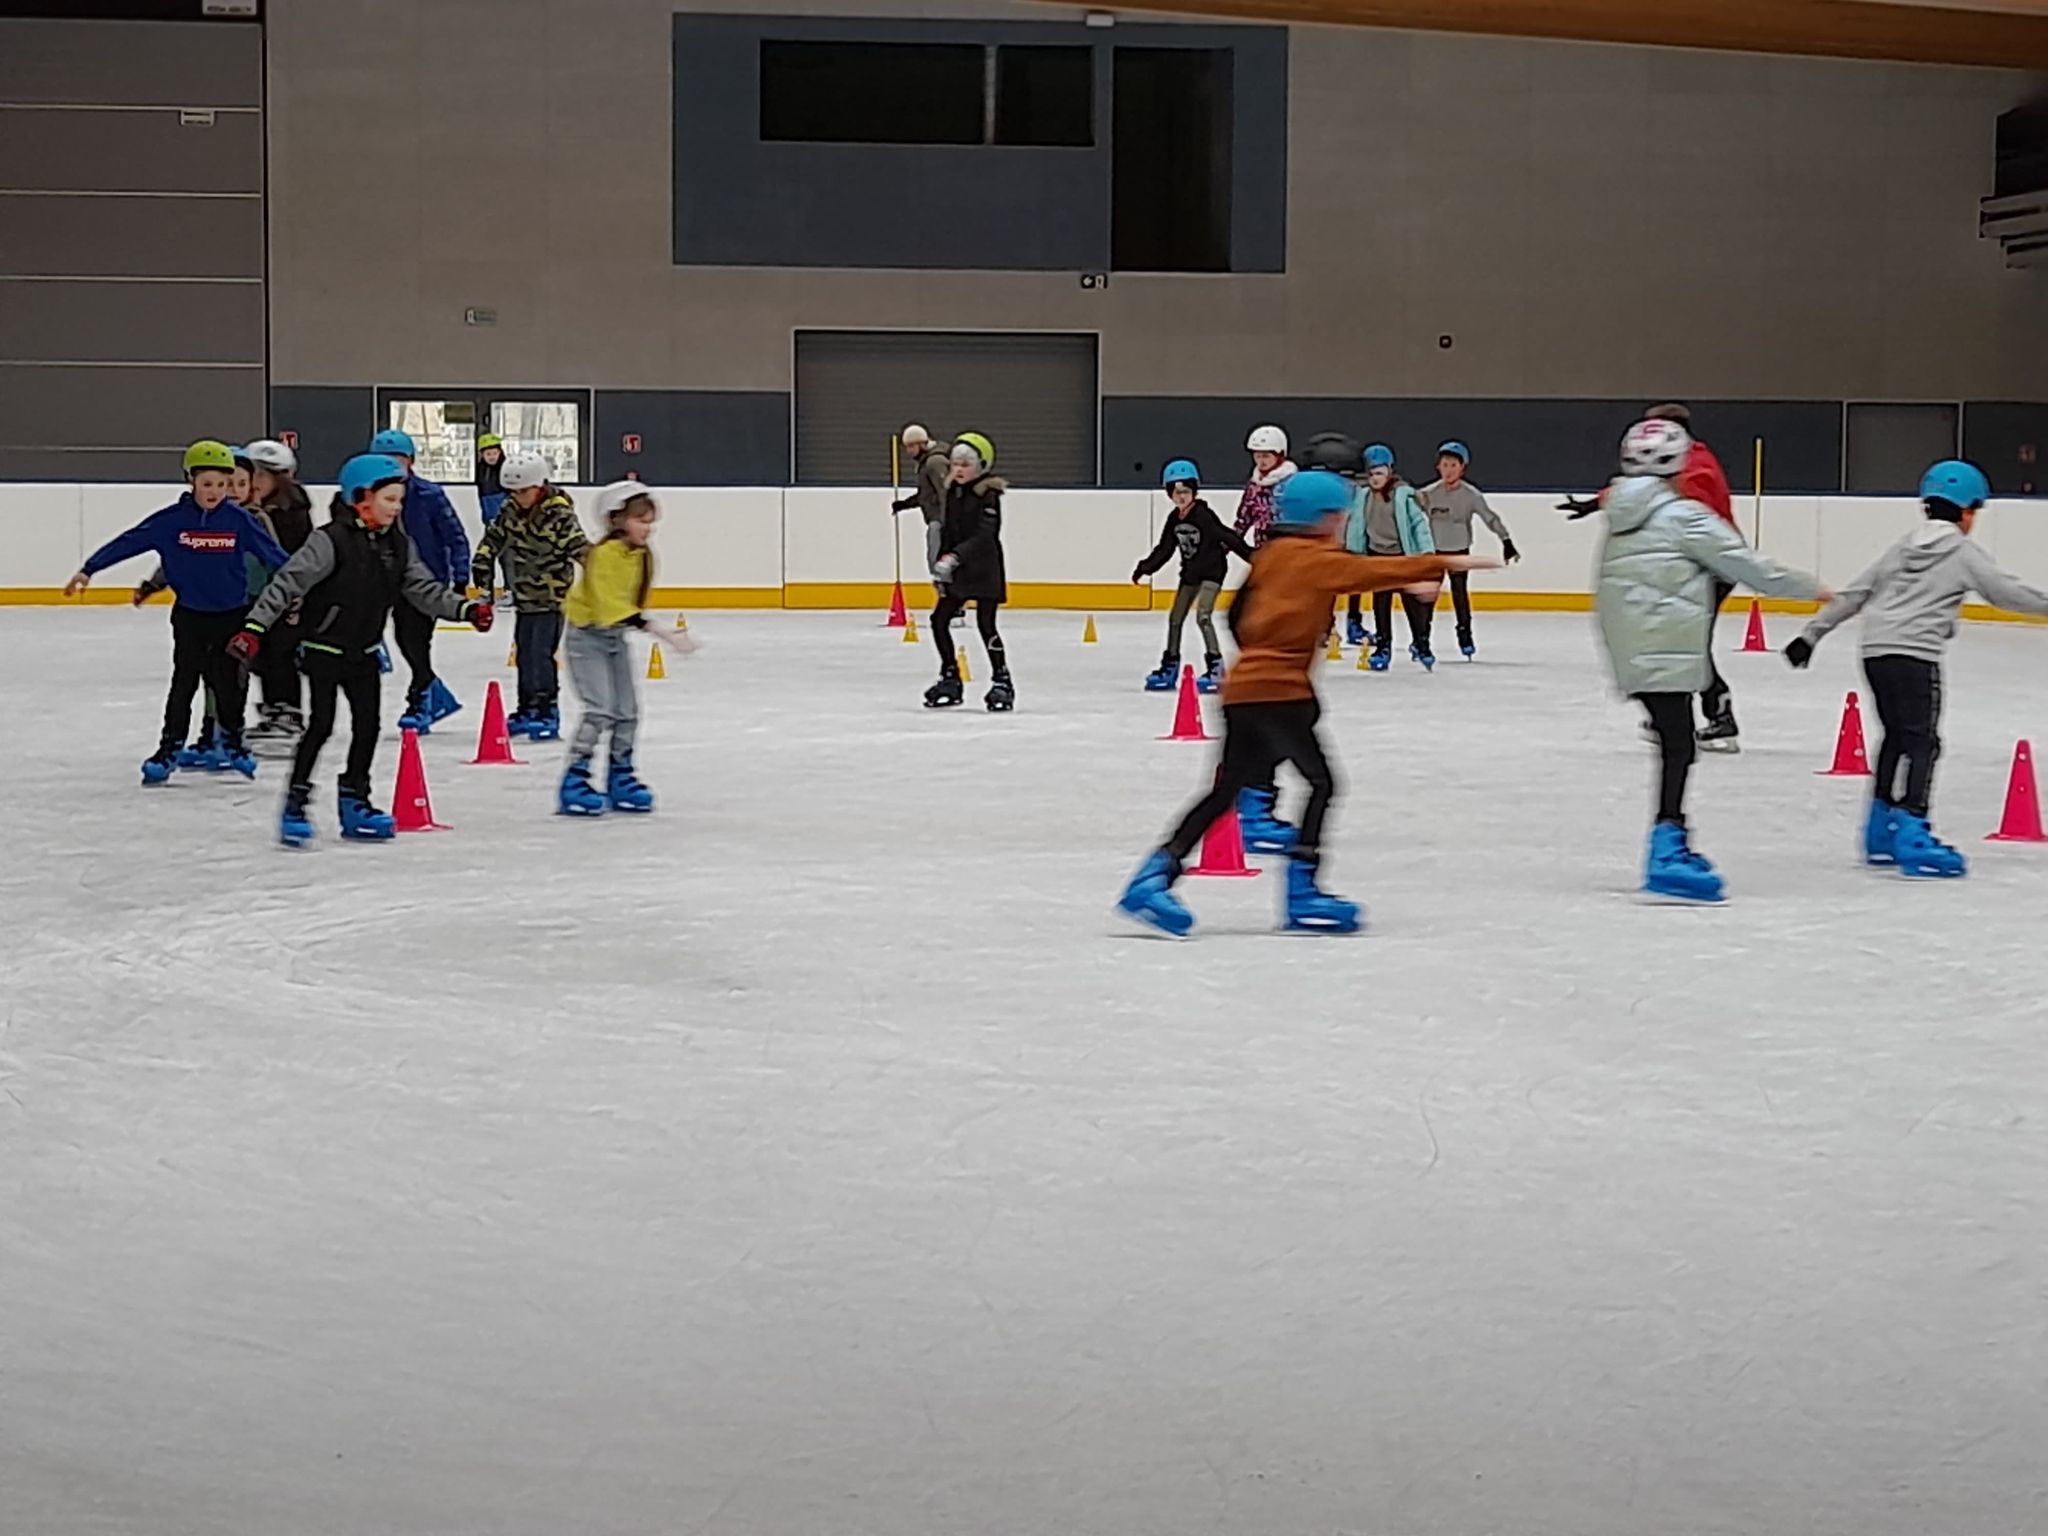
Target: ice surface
816	1157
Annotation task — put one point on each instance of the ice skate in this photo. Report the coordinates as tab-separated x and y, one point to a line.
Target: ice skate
416	719
1880	835
1001	697
519	722
1380	660
1149	898
239	759
1422	656
440	703
1212	675
1163	679
1355	632
206	754
1674	873
1720	735
269	725
160	765
576	795
1262	830
362	821
295	822
1313	910
1923	856
545	724
946	692
624	789
1466	648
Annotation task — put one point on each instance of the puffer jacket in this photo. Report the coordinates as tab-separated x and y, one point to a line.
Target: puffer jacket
972	532
1394	524
1654	587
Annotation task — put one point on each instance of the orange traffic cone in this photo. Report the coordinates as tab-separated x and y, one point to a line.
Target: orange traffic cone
410	807
1187	712
898	617
1851	761
493	741
1754	639
2022	823
1223	851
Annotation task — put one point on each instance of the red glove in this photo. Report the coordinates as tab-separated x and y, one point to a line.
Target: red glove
480	616
244	646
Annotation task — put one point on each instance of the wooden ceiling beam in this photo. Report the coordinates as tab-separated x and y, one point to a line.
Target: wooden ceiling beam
1848	29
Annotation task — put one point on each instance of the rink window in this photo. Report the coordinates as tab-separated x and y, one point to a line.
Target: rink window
873	93
1045	96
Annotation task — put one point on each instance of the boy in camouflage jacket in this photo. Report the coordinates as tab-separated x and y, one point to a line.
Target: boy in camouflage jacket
537	525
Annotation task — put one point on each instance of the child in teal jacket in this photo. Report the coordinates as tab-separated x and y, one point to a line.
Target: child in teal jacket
1387	518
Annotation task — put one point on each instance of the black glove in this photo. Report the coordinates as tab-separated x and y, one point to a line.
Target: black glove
1799	652
904	505
1137	574
1579	508
1508	552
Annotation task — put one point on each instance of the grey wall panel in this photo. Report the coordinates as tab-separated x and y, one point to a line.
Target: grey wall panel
159	465
1890	445
131	237
106	151
131	322
2008	440
693	437
128	407
331	421
167	63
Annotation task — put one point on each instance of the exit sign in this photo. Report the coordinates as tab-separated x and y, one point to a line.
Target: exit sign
629	442
290	439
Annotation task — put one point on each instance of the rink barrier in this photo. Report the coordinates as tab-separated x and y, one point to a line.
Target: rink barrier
809	548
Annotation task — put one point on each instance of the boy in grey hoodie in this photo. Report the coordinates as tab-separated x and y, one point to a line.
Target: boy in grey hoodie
1909	600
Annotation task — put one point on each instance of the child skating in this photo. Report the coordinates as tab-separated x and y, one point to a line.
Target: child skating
1909	601
438	539
1270	708
1387	521
970	569
1271	468
608	603
1452	502
345	582
1205	547
281	504
537	526
1656	602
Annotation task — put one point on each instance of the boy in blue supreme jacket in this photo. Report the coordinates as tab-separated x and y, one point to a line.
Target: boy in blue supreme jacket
437	538
202	539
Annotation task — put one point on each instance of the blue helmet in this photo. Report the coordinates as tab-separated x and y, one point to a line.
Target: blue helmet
394	442
1454	450
1958	483
1310	496
1379	456
367	471
1181	470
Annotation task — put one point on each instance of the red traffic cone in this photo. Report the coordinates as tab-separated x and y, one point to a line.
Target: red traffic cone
1753	640
493	741
1851	761
2022	823
1187	714
1223	851
410	807
898	617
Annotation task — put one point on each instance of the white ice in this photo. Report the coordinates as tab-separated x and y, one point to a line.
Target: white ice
816	1157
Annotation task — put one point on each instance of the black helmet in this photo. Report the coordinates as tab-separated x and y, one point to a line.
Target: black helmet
1335	452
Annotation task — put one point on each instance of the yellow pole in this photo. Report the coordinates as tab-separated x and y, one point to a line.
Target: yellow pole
1757	531
896	494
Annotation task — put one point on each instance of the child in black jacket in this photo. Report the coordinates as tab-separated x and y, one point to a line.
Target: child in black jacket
1205	546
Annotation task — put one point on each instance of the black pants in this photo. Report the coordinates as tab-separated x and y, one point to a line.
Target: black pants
1258	738
415	632
536	636
1907	692
949	609
1714	698
199	654
1671	719
1461	602
278	665
1417	609
328	675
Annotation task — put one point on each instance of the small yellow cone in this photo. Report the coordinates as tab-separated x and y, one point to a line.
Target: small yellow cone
1088	633
655	668
1364	659
1336	651
681	622
965	675
910	631
512	655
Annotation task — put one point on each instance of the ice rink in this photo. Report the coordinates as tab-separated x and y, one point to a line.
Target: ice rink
816	1157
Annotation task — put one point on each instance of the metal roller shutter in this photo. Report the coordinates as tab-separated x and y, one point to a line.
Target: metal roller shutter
1032	393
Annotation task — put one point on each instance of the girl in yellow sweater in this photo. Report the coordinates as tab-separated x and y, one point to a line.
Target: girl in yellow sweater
610	598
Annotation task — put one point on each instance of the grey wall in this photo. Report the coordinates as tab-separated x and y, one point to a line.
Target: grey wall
131	244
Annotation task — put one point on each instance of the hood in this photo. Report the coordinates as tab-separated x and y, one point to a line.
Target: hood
1931	543
1275	475
1632	499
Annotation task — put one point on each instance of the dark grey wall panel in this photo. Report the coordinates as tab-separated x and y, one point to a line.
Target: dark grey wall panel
99	464
162	63
126	151
128	407
693	437
2008	440
1889	445
131	322
332	422
131	237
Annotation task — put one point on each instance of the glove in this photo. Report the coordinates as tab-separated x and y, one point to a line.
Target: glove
944	567
1579	508
1799	652
244	645
142	595
1137	574
479	616
1508	552
904	505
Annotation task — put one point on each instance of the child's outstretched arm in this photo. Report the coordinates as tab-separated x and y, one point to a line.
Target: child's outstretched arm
1999	589
436	598
1716	545
313	564
144	537
1161	552
1846	604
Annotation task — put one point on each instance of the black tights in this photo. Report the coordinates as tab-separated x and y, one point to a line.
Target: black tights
949	609
1418	610
1714	697
1907	692
1257	738
326	676
199	654
1671	719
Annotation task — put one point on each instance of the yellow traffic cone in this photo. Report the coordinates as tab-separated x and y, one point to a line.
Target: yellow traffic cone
655	668
910	630
512	655
965	675
1336	651
681	622
1364	659
1088	633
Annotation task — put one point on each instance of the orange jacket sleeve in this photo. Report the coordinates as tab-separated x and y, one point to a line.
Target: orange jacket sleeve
1337	572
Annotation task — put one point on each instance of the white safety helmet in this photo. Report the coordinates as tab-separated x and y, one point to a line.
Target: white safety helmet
523	470
611	501
1655	447
1266	440
268	453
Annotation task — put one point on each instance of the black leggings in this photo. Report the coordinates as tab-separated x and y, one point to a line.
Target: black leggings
326	676
1714	697
1461	602
415	634
278	665
1671	719
1417	609
199	654
950	608
1257	738
1907	692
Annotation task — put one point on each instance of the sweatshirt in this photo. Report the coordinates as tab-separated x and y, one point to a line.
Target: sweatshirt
345	579
1910	598
613	588
1205	546
201	551
1451	509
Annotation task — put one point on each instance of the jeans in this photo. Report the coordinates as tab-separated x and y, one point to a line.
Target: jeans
535	635
601	667
1202	599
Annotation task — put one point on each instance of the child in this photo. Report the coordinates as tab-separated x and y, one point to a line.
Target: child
242	480
537	525
1270	708
345	580
1655	601
490	496
437	538
1909	600
1205	547
1452	502
201	539
970	569
609	600
1387	520
1270	468
281	504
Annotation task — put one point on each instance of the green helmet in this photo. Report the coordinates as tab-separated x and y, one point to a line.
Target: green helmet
979	446
489	440
208	454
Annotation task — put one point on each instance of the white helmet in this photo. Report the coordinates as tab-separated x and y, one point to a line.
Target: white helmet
1266	440
912	435
613	498
268	453
523	470
1655	447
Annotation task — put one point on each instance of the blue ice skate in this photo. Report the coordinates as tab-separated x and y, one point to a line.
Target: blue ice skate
1355	632
1149	898
1212	677
295	822
440	702
1880	834
1673	872
160	765
208	752
1263	831
1379	661
576	796
624	790
545	724
1467	649
519	722
362	821
1923	856
1163	678
1423	657
1313	910
240	760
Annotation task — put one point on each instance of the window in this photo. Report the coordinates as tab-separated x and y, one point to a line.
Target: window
1045	96
1170	177
552	428
872	93
444	431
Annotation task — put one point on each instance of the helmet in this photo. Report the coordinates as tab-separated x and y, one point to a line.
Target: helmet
1454	450
1957	482
365	472
242	459
1181	471
268	453
208	454
395	443
523	470
1379	456
972	447
489	440
1307	498
1266	440
611	501
1332	451
1655	447
912	435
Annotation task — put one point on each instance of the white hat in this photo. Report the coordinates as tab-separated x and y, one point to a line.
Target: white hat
913	434
611	501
